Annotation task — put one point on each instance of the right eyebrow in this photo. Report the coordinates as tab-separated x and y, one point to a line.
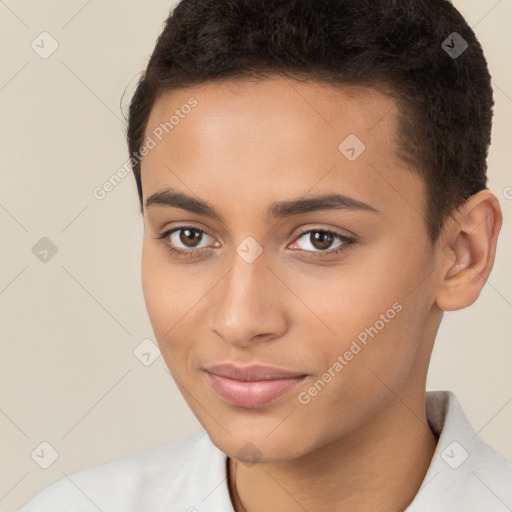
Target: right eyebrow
279	209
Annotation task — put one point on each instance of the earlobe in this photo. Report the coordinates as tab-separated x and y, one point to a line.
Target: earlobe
467	254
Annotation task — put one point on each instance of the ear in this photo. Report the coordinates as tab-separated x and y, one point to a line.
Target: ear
467	250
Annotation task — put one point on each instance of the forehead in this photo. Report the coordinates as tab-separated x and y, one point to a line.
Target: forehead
252	105
276	137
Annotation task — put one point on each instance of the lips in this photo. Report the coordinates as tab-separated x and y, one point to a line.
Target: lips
252	386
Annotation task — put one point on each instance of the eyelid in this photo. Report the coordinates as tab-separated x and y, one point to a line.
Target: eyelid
342	232
185	225
348	238
347	241
164	235
334	231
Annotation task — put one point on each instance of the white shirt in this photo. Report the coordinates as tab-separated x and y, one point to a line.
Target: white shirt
465	475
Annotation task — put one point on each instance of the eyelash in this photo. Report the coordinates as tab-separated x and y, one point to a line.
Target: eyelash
185	253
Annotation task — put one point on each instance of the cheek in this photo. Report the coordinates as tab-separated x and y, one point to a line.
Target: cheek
175	296
156	287
169	289
371	355
165	293
368	316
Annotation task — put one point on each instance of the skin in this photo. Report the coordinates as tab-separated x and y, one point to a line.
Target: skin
363	442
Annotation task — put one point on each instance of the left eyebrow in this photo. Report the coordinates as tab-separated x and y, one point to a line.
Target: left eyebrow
279	209
331	201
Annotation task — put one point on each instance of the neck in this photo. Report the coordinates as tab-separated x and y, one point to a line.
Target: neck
378	467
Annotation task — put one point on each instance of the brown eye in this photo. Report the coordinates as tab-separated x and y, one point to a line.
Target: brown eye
190	237
186	241
321	240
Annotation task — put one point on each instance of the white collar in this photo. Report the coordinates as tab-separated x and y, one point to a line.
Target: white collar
465	473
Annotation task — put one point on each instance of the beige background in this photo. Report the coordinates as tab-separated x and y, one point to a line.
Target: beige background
69	327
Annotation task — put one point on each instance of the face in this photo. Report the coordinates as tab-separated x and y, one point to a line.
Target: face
274	238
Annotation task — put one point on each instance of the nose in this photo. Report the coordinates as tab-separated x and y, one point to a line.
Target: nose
249	304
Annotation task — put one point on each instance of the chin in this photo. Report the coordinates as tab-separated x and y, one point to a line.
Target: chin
259	448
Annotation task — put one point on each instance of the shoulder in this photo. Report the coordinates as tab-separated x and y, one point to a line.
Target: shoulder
465	473
133	483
